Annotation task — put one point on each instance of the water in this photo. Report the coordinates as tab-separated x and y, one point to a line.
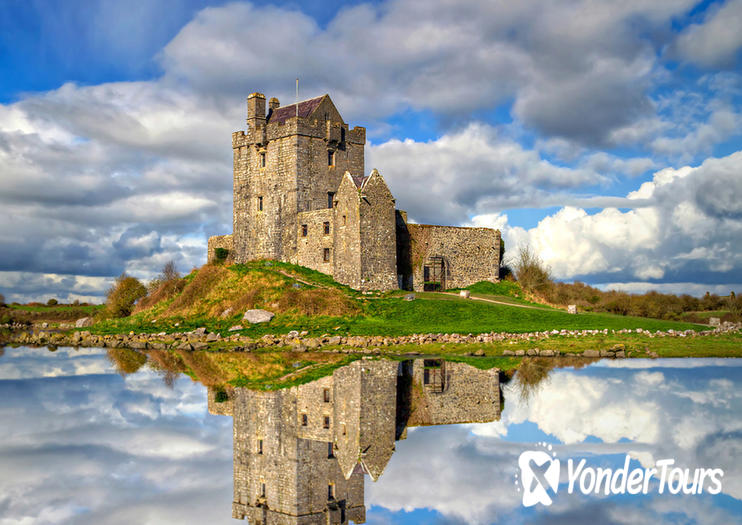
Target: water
84	443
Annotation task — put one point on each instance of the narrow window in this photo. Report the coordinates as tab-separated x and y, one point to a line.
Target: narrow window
330	491
304	230
344	220
330	198
326	423
342	134
326	395
345	430
260	203
330	450
262	490
327	116
304	420
327	228
326	255
330	157
260	446
262	159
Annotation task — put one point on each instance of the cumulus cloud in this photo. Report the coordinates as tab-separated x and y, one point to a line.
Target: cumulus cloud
84	445
123	176
716	41
472	169
613	410
681	226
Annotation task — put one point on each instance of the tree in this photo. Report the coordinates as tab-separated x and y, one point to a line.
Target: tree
2	299
123	294
531	272
169	272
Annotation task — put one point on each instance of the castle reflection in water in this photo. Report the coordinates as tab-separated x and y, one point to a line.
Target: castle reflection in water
300	454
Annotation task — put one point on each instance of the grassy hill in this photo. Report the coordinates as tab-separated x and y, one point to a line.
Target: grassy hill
216	297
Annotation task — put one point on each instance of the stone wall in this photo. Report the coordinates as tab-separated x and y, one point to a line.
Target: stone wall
378	235
469	255
288	472
365	407
291	170
347	234
284	166
466	394
311	248
220	241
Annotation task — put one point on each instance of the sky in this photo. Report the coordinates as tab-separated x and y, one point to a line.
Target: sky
83	444
605	135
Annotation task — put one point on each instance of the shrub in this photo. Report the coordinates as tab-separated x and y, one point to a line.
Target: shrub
2	299
123	294
531	272
221	254
52	302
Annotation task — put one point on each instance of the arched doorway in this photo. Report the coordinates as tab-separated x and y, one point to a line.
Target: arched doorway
434	274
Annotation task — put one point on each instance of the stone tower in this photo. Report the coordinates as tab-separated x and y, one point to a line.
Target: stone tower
290	160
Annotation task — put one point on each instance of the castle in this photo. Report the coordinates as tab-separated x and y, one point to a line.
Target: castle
300	454
301	196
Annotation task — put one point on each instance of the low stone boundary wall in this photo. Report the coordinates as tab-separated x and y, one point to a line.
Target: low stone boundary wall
200	339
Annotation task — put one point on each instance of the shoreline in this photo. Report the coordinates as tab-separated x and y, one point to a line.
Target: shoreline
719	342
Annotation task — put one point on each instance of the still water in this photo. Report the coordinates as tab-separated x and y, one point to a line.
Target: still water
421	441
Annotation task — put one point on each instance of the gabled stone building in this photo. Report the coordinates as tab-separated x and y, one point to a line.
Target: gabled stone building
301	196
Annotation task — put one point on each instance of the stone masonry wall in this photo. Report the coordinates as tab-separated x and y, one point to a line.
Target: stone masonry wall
297	175
470	395
311	248
347	237
470	254
378	235
220	241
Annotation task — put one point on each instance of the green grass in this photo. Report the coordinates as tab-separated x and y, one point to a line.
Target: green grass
313	277
395	317
706	314
60	308
429	313
502	288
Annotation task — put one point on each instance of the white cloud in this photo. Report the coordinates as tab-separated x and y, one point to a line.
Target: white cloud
688	221
717	40
125	175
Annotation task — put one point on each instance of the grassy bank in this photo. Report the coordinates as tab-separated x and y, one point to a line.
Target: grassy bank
215	297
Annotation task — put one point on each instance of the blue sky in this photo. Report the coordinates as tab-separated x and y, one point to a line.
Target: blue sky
606	136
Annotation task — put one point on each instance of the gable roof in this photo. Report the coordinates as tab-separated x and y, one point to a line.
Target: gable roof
359	180
306	108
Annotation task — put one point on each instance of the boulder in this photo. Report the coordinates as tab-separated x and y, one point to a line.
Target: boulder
409	297
591	353
572	309
714	321
466	294
258	316
83	322
199	331
227	313
235	328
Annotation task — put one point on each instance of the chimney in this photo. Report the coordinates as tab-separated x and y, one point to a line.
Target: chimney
255	110
273	104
